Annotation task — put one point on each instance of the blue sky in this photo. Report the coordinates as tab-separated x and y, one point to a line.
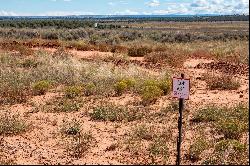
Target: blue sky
120	7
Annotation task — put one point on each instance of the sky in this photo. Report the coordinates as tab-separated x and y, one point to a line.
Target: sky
121	7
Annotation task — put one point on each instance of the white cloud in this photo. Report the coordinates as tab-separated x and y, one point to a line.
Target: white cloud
7	13
127	12
153	3
111	3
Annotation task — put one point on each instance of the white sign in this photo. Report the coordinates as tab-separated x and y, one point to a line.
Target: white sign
181	88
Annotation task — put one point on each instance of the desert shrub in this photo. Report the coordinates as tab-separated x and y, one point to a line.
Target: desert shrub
62	105
228	152
123	85
29	63
172	107
41	87
224	144
208	114
67	106
231	128
89	89
72	127
165	85
13	95
150	91
119	49
143	132
197	148
11	124
109	112
158	149
80	144
138	51
73	91
174	58
231	122
225	82
120	87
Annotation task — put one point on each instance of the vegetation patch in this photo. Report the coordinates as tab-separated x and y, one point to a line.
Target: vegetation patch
231	122
11	124
62	105
222	82
197	148
110	112
41	87
73	91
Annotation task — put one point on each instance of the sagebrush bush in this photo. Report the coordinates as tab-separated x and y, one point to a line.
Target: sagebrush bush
89	89
231	128
231	122
197	148
41	87
80	144
150	92
72	127
222	82
123	85
138	51
11	124
110	112
73	91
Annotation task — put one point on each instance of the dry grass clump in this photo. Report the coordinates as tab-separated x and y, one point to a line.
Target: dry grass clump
197	148
221	82
172	57
110	112
11	124
139	50
80	144
231	122
228	152
148	144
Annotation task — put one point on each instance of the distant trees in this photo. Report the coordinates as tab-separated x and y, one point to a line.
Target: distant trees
106	23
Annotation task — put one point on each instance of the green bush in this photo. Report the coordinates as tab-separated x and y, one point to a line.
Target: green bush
113	113
71	127
165	85
123	85
158	149
150	92
11	124
237	153
120	87
89	89
41	87
209	114
231	128
197	148
67	106
73	91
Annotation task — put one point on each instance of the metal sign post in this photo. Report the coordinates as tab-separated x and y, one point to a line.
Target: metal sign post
181	88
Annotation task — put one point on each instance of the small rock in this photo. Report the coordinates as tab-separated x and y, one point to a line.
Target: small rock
241	96
198	78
